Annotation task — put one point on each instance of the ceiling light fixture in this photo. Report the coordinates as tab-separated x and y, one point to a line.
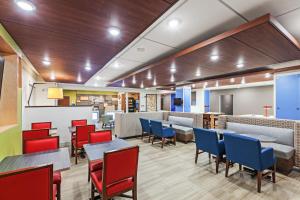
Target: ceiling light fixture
88	67
193	85
267	75
116	64
52	76
214	57
98	78
232	80
114	31
240	65
243	81
46	62
174	23
217	83
142	85
79	80
172	79
154	82
198	73
95	85
25	5
123	83
133	80
149	75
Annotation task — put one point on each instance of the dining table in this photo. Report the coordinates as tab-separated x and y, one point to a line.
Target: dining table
59	158
96	151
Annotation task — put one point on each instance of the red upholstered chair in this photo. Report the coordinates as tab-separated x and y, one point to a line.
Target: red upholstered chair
45	144
33	134
96	137
41	125
80	122
28	184
81	138
119	174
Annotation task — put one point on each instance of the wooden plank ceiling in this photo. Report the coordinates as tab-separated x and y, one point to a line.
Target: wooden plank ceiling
71	33
255	45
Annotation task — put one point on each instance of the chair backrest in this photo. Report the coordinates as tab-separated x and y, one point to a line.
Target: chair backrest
41	144
206	140
120	165
33	134
156	127
41	125
100	136
82	133
31	183
80	122
145	123
243	150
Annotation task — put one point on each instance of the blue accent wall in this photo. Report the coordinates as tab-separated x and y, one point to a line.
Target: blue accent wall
206	100
288	97
172	102
179	94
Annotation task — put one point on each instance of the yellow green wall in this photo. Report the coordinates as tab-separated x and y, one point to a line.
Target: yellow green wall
72	93
11	139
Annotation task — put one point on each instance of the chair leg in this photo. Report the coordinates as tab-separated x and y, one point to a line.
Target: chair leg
209	157
227	168
134	193
149	138
259	176
76	156
153	139
89	173
240	167
162	142
217	164
92	191
72	151
196	157
142	135
174	140
58	195
274	174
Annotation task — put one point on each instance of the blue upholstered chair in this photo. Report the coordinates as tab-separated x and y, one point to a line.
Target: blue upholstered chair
146	128
247	151
162	133
207	141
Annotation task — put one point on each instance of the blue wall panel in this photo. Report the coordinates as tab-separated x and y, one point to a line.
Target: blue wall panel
206	101
179	94
287	97
172	103
187	92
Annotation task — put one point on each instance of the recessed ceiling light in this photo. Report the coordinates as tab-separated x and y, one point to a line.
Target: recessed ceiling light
114	31
154	82
174	23
95	85
193	85
133	80
243	81
172	79
142	85
149	75
79	80
217	83
98	78
116	64
232	80
267	75
214	57
198	74
240	65
123	83
46	62
172	88
25	5
52	76
88	67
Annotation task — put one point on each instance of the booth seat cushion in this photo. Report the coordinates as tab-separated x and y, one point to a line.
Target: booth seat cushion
182	121
283	135
182	129
280	150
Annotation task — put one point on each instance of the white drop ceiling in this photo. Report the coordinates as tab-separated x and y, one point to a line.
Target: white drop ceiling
199	20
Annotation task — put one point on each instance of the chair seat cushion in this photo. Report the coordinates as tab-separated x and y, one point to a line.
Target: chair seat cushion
111	189
56	177
182	129
96	165
280	150
79	144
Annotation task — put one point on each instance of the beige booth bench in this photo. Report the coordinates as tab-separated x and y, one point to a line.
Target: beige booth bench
285	133
128	124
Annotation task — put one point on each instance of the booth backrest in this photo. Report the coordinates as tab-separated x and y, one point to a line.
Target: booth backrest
283	135
182	121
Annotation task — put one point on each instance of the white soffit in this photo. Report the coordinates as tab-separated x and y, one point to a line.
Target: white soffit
256	8
198	20
145	50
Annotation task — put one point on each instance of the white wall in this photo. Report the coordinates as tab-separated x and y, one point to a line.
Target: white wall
59	116
199	107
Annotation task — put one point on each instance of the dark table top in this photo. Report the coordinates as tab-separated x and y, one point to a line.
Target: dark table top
60	159
96	151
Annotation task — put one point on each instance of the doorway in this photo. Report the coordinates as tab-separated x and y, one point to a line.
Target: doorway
226	104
